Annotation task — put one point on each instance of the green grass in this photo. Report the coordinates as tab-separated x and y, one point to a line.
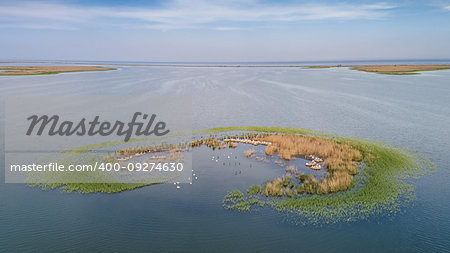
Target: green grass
254	189
68	181
92	187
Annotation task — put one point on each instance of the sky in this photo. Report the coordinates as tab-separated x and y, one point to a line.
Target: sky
224	31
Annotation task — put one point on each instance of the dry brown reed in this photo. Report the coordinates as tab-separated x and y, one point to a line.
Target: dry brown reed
271	149
249	153
274	188
335	181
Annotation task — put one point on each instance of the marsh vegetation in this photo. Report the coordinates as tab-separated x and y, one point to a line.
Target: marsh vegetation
340	159
47	70
337	196
379	190
400	69
390	69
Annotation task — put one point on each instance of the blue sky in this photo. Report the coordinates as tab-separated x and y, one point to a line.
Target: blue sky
248	30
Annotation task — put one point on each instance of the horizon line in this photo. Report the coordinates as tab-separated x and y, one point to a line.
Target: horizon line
79	61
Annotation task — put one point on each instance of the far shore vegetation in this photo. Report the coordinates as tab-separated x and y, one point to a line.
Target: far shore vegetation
46	70
391	69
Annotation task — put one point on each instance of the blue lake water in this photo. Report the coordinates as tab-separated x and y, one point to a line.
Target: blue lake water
411	111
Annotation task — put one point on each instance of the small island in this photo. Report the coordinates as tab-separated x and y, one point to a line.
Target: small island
390	69
400	69
46	70
360	179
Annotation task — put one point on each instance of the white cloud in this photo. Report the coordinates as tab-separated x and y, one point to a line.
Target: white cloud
228	28
185	14
447	8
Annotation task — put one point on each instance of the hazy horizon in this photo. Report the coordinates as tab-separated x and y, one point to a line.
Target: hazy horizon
228	62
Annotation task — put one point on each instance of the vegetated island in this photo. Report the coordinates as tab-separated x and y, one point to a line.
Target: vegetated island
46	70
391	69
364	178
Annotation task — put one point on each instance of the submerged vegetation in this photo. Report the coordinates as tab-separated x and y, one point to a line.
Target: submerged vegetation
237	201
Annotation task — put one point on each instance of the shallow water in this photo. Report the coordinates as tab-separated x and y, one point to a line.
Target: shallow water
412	111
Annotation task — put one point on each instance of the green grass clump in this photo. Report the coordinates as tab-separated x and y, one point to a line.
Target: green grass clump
301	189
302	178
254	189
286	181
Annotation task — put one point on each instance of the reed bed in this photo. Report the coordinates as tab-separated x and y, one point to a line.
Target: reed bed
129	153
232	145
274	188
341	160
271	150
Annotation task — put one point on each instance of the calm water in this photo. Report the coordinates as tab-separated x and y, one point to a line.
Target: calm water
412	111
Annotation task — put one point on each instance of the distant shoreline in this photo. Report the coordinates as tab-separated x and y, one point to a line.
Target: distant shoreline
387	69
46	70
392	69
